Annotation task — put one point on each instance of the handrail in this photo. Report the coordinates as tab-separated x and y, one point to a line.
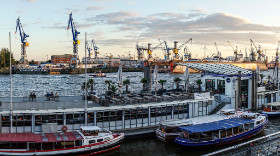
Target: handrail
240	145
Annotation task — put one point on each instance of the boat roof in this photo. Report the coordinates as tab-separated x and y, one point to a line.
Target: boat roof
40	138
191	121
90	128
272	104
219	125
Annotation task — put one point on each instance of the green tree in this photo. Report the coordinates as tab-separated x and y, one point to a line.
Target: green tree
113	89
144	81
199	82
84	86
109	82
91	83
177	80
162	82
126	83
5	58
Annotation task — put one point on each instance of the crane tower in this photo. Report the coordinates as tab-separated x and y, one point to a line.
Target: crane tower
23	60
76	42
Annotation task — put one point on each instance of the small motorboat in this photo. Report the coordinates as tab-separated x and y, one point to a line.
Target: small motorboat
89	140
97	75
271	109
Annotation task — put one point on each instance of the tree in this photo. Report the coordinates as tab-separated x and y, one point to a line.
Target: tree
84	86
109	82
91	83
261	76
5	58
126	83
113	89
177	81
199	82
162	83
144	81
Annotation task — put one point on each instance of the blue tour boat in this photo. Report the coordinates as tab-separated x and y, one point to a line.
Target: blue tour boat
223	131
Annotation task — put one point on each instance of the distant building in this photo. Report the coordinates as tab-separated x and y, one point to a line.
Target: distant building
61	59
108	61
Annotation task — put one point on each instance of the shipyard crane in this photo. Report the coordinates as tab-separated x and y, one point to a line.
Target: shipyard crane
176	50
76	42
95	48
277	55
258	49
234	51
24	43
89	49
140	52
218	52
149	49
167	49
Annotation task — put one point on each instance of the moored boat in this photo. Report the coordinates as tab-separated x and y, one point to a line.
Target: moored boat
89	140
97	75
271	109
223	131
168	129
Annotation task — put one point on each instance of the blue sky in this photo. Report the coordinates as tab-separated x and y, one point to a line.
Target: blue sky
116	25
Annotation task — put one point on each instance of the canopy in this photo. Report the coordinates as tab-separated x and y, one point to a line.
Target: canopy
38	138
219	125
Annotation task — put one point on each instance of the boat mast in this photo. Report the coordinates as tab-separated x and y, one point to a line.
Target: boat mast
11	102
85	79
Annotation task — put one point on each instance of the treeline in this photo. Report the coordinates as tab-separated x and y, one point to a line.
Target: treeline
5	58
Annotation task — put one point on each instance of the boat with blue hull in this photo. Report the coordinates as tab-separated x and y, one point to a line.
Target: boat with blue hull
222	132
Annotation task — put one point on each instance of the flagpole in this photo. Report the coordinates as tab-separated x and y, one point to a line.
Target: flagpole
11	95
85	79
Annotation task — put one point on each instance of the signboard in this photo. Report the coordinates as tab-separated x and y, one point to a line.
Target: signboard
201	96
228	80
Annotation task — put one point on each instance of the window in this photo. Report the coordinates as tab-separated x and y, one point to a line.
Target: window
210	85
91	141
99	140
221	86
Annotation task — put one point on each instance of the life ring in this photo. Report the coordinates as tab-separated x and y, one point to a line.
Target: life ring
64	128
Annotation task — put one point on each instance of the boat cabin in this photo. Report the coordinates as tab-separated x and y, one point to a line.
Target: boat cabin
90	130
272	107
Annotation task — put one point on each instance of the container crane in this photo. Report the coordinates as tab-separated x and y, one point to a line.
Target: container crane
95	48
176	50
234	51
24	43
89	49
76	42
258	49
218	52
277	55
140	52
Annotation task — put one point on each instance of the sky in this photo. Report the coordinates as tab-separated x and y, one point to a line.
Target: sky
117	25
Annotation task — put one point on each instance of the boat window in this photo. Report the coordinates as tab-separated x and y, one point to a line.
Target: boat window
240	128
91	141
107	138
258	122
235	130
99	140
223	133
215	135
229	132
252	125
246	126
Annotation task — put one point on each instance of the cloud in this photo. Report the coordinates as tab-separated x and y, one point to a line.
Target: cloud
93	8
30	1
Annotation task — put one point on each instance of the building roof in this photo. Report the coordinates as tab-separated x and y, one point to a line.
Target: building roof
219	125
217	68
38	138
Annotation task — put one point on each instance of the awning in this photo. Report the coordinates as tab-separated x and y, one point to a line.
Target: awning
219	125
38	138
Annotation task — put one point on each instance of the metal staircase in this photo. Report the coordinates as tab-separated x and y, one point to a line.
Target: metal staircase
221	104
